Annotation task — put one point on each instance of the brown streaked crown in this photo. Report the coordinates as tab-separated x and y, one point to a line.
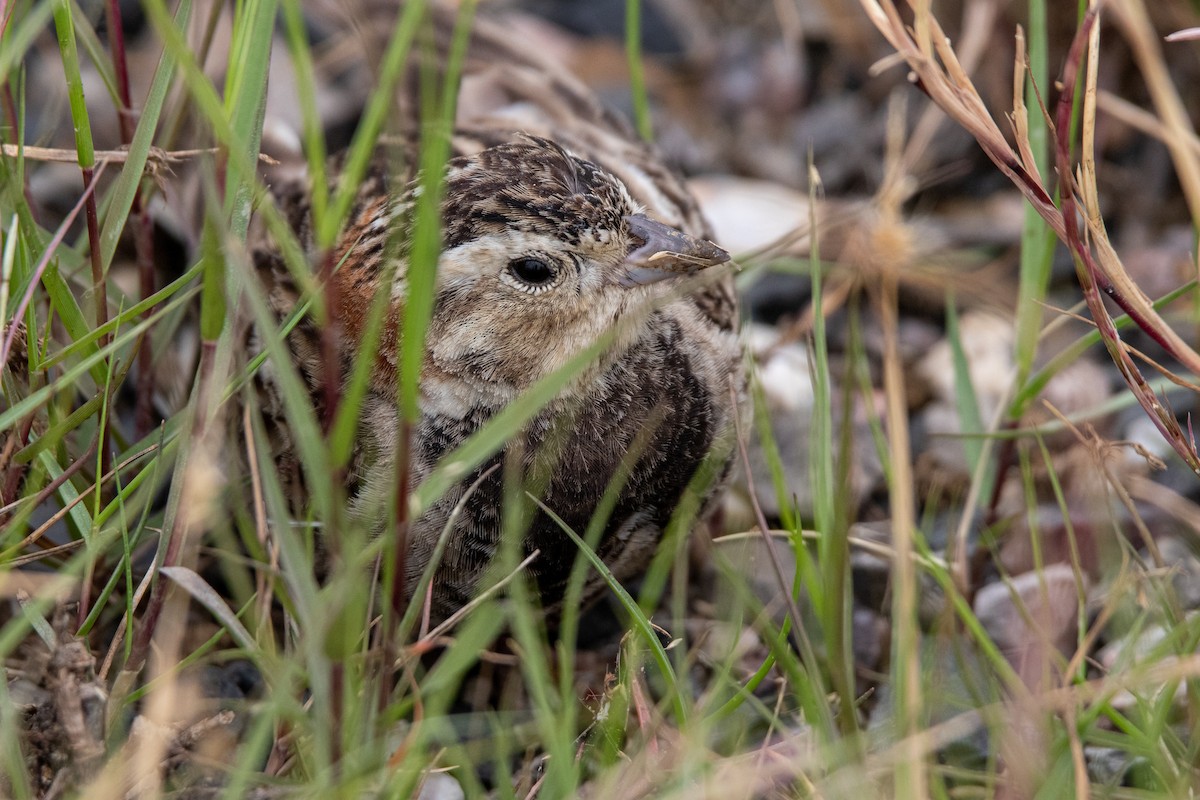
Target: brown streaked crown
531	185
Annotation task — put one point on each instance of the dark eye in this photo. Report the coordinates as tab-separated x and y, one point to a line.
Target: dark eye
533	271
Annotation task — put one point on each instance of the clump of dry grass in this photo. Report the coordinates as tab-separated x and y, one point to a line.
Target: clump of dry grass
937	72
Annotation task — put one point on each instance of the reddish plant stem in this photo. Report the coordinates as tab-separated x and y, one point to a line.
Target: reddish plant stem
16	472
398	599
116	41
280	755
1005	459
330	363
403	487
1092	279
143	242
99	285
143	239
1008	163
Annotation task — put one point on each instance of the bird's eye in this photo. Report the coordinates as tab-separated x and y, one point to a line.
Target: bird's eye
530	270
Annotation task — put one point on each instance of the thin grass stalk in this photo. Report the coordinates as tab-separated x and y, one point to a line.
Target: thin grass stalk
568	630
438	688
438	120
1132	17
126	199
21	35
65	27
13	760
1071	353
637	72
641	622
69	501
210	105
143	236
803	645
1037	240
971	421
90	44
177	115
911	777
116	40
103	445
940	75
239	144
380	104
828	485
306	90
562	773
31	502
37	399
245	103
60	294
300	593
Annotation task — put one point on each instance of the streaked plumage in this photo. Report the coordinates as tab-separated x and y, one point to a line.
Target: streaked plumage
558	226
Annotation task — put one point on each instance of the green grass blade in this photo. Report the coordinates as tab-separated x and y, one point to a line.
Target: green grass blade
637	73
245	103
306	91
427	229
971	421
129	182
382	100
20	36
640	622
64	25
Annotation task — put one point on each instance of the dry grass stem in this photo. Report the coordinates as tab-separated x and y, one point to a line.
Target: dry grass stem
1134	21
1121	109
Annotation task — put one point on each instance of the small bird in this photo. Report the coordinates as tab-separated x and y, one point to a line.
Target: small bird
559	226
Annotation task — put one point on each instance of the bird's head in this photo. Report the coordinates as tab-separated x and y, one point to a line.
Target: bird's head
543	253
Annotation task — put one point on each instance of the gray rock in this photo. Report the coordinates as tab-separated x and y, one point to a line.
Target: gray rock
1110	766
1032	612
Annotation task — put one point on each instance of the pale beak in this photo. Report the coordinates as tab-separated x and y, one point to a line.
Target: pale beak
664	253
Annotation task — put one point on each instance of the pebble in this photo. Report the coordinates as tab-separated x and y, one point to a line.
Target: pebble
441	786
1028	613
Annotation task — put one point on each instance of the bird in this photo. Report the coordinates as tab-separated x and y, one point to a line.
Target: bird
559	226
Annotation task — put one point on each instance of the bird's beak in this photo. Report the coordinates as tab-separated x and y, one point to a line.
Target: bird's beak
664	253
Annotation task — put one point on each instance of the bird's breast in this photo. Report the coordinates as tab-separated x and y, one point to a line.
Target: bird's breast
648	422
